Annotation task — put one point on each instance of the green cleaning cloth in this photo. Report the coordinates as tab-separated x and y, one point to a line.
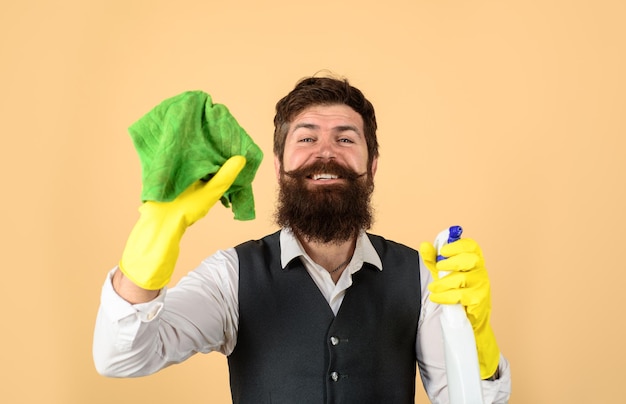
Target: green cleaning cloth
186	138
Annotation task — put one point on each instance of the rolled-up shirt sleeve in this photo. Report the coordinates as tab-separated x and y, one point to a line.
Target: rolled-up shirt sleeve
198	315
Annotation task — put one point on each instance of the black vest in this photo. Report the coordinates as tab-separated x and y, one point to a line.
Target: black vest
292	349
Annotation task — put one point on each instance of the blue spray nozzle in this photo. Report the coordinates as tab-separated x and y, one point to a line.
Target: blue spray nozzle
455	233
450	235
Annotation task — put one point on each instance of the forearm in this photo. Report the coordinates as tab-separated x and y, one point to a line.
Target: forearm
198	315
125	336
130	292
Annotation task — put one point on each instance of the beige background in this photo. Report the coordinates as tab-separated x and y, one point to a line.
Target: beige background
505	117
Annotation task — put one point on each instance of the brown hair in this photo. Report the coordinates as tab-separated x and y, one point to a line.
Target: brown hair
313	91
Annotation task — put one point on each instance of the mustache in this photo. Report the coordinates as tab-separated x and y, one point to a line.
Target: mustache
324	167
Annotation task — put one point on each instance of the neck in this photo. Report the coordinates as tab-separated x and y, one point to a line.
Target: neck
330	255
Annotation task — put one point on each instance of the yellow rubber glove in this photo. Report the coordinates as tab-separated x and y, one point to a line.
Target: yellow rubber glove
467	284
153	245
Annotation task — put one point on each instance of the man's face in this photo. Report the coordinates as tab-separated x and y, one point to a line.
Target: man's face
324	133
325	186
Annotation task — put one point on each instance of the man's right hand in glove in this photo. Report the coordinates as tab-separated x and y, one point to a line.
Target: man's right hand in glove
152	248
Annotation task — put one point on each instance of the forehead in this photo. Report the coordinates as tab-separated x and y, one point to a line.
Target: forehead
329	114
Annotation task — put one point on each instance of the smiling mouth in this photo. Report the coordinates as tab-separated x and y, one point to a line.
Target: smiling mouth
323	177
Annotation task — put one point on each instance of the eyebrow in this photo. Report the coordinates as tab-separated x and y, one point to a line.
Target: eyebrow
340	128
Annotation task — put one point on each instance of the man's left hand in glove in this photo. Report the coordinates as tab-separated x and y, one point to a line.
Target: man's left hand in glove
466	284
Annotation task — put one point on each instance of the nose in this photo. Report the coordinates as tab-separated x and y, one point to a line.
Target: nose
326	149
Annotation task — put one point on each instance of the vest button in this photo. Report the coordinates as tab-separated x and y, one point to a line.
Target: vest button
334	340
334	376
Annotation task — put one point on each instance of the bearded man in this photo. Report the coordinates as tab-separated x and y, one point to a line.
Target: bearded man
321	311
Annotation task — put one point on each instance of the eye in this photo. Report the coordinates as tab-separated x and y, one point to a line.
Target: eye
306	140
345	140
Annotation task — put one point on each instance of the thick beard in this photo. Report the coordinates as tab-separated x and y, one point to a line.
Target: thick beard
328	213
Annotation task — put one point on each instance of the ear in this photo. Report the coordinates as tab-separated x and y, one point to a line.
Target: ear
374	166
277	167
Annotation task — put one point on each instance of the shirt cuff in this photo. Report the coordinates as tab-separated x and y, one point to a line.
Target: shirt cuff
499	390
116	308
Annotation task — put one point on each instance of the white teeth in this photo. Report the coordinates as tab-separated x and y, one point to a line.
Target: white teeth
325	177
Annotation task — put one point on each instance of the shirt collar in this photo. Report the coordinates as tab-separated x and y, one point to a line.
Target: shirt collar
290	248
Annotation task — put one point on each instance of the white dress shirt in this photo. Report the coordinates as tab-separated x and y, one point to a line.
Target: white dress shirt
200	314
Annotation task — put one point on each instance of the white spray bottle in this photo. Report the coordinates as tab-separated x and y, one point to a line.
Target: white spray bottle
463	371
